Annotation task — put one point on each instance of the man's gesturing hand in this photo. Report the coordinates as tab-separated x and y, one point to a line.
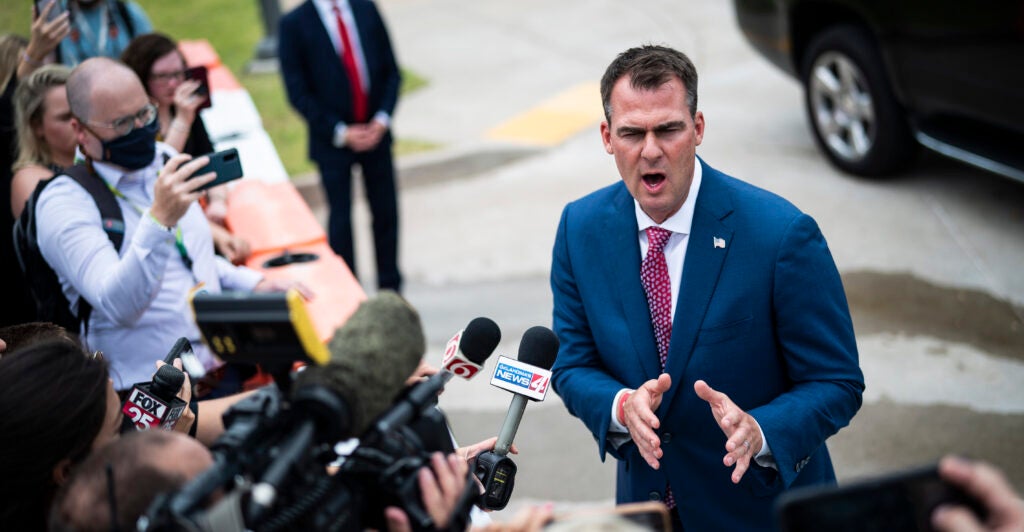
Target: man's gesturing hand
742	431
641	421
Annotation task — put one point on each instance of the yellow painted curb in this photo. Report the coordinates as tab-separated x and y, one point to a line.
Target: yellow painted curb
555	119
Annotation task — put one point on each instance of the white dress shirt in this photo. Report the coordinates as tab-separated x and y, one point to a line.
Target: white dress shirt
326	10
675	256
140	295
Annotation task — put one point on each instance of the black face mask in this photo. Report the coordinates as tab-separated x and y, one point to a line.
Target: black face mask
135	150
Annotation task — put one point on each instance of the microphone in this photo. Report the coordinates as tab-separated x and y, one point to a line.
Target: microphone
528	379
371	356
156	403
466	352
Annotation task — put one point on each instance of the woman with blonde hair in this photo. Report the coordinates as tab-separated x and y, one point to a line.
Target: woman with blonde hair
46	140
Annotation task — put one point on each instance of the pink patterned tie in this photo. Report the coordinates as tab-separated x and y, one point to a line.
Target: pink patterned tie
658	286
654	275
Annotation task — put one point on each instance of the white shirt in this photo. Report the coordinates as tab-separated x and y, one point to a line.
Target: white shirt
140	295
675	256
326	10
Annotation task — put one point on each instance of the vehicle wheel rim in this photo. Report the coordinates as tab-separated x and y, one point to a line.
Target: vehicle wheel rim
842	106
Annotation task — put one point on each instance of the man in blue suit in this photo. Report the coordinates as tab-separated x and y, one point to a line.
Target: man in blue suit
342	77
705	336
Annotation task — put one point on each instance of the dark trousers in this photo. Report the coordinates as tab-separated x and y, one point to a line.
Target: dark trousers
378	172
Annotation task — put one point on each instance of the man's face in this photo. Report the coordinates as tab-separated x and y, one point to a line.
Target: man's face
654	140
113	98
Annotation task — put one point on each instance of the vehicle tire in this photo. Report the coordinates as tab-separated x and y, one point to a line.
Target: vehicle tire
850	104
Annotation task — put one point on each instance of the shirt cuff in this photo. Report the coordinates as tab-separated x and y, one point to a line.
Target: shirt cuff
383	118
764	457
615	426
339	135
152	235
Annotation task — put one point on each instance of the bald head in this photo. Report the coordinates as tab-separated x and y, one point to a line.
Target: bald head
98	81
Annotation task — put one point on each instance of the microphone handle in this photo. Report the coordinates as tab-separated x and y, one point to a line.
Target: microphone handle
511	425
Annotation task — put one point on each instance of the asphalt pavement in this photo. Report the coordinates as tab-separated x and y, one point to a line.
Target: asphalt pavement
931	260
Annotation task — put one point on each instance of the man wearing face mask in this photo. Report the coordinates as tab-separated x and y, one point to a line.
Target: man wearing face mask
139	294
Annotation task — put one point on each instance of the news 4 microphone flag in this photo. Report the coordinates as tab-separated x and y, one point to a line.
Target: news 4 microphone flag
521	378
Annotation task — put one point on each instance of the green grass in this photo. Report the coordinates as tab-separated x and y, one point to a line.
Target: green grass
233	28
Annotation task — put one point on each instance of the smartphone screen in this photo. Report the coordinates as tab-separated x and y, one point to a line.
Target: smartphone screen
55	12
900	502
200	74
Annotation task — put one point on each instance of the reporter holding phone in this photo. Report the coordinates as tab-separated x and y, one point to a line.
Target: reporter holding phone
139	292
156	60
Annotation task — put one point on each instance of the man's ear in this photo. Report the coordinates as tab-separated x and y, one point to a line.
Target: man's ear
606	137
62	471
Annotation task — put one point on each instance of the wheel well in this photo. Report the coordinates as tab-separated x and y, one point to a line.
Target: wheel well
808	19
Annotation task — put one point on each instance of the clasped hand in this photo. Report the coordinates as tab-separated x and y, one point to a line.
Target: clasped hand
744	435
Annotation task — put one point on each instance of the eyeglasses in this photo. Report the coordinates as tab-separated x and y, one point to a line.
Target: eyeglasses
126	124
164	77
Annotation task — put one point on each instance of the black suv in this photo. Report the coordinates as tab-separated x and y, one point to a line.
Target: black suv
879	75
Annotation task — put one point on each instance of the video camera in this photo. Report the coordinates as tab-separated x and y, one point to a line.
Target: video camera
275	466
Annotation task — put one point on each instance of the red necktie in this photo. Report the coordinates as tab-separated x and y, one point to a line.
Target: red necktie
654	275
658	286
348	58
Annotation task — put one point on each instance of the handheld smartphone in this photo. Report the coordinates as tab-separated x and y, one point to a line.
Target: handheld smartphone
226	164
200	74
55	12
899	502
189	361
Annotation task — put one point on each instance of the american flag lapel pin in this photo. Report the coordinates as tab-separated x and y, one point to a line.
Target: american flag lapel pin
719	243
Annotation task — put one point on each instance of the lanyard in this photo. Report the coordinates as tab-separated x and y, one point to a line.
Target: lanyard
179	239
107	28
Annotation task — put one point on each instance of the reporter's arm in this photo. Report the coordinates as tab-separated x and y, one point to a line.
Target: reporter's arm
211	416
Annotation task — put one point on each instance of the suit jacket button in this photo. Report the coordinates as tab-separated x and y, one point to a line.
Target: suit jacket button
666	437
654	496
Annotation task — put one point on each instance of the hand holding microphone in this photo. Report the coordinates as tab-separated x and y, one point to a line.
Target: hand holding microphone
156	403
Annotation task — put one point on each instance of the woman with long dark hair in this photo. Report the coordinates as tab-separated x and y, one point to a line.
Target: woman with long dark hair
57	404
155	58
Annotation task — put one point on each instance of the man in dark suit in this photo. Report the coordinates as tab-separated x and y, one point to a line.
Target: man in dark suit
702	321
342	77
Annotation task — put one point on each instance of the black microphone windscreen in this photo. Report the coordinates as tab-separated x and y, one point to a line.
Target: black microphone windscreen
372	355
539	347
167	381
480	339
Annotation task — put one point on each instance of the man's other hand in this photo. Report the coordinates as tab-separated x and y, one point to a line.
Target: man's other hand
742	431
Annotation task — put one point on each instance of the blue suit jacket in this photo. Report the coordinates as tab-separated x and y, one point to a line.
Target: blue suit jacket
764	320
316	81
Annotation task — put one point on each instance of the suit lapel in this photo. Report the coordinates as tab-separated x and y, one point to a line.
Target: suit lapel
321	43
620	247
701	271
